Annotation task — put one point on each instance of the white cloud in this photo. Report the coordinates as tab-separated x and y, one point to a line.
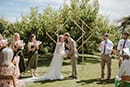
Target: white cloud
13	9
115	9
12	19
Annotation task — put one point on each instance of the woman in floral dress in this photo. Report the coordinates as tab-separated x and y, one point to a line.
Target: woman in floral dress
7	68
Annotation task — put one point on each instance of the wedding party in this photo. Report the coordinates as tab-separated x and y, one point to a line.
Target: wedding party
64	43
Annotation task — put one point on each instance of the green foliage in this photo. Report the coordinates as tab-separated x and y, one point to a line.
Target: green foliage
60	21
125	22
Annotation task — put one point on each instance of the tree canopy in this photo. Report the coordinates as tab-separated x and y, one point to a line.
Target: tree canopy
40	23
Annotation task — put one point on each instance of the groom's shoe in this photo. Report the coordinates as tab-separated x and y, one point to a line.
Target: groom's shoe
75	77
71	76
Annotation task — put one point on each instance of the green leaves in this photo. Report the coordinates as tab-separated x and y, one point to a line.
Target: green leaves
40	23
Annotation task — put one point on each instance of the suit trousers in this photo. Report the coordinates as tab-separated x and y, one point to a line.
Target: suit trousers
106	59
73	64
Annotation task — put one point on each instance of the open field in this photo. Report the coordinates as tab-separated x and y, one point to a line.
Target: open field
88	73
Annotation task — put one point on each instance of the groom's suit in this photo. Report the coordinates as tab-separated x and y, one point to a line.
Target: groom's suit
73	54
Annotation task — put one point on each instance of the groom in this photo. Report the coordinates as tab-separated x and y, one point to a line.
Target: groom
72	53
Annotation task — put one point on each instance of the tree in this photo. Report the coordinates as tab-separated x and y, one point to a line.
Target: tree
40	23
124	23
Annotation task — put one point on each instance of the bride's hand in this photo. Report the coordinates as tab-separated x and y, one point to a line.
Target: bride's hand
67	52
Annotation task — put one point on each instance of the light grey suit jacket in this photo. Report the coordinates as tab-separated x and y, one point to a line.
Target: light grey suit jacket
72	48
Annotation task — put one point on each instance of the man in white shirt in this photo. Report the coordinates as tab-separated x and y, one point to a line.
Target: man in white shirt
123	43
106	48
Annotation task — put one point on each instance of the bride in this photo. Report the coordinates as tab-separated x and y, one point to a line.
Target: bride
54	71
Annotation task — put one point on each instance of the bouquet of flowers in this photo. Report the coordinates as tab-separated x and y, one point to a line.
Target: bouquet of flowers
20	44
38	42
3	43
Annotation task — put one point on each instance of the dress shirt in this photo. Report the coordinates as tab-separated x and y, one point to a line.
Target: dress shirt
120	45
109	47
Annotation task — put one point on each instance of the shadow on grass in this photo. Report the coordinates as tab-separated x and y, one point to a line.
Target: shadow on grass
50	81
66	63
97	81
45	60
82	82
46	81
92	59
24	77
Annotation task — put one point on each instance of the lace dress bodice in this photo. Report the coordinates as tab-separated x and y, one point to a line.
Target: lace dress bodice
60	49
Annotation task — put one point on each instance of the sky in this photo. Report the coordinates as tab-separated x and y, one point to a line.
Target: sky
12	9
115	9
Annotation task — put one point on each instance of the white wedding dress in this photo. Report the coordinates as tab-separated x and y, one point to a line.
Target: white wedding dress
54	71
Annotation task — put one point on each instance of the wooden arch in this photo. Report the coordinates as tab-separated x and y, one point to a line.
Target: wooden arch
84	25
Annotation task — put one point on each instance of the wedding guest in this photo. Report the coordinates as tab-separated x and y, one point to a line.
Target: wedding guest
3	42
106	48
54	71
124	71
33	47
72	52
8	68
18	45
123	43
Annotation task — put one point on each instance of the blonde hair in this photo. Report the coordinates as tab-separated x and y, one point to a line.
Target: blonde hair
17	34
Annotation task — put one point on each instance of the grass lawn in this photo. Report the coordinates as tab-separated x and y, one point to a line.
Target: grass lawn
88	73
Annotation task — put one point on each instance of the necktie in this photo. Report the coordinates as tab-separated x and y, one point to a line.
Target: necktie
104	46
123	46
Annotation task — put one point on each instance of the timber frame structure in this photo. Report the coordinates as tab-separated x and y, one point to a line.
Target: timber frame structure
81	27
